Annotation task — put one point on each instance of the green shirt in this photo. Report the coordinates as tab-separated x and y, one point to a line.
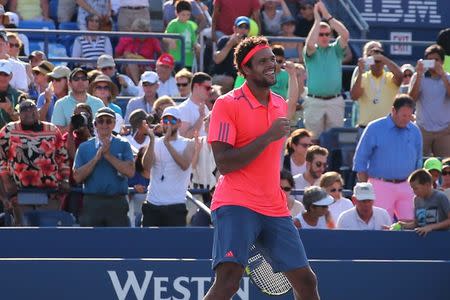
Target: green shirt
324	70
190	37
280	87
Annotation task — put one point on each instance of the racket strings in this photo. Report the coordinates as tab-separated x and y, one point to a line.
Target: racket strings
263	276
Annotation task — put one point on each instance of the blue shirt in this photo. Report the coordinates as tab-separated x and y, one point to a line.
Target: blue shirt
40	103
104	179
64	107
387	151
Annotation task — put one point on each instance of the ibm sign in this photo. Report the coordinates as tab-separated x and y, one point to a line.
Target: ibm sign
401	11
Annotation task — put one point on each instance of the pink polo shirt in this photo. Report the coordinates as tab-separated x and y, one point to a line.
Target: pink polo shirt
237	119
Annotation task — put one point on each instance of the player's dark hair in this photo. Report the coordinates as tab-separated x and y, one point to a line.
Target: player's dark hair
244	47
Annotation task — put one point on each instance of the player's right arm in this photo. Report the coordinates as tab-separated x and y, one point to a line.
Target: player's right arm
229	158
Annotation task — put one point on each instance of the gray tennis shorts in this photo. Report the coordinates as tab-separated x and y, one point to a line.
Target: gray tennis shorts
236	228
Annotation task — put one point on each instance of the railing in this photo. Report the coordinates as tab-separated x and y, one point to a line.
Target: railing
55	32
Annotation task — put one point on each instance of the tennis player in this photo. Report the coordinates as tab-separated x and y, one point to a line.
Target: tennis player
247	133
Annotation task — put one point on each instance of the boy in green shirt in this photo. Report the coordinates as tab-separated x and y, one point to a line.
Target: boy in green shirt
181	24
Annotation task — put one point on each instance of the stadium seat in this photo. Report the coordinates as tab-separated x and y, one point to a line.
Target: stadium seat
49	218
67	40
38	25
341	143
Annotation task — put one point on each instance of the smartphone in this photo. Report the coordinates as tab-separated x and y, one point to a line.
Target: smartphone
428	63
368	61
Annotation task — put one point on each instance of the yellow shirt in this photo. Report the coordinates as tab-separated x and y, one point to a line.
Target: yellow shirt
377	98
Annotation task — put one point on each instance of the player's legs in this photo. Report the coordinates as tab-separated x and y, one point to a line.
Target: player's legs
235	229
285	251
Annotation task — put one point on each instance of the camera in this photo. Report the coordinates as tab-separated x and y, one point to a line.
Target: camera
428	63
368	61
79	120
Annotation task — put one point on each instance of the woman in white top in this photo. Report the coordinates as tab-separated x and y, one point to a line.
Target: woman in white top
297	144
332	182
316	202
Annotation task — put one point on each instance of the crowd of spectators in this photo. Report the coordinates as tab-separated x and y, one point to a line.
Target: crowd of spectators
62	127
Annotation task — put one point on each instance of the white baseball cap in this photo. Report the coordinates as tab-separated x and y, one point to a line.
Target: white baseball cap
364	191
13	18
171	111
5	66
149	76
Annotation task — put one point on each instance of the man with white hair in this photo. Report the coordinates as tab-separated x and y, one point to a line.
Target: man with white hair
364	216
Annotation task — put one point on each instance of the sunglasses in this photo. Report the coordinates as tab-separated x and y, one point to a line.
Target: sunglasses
378	51
320	164
445	173
336	190
78	78
179	84
244	26
169	120
304	145
12	45
102	87
327	34
286	188
148	84
208	88
108	121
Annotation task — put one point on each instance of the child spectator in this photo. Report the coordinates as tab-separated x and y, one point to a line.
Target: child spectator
316	201
181	24
431	207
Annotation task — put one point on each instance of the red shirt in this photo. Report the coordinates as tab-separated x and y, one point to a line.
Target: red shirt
149	48
231	9
238	119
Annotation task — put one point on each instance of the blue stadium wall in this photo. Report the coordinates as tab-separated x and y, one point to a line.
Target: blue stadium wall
173	263
416	20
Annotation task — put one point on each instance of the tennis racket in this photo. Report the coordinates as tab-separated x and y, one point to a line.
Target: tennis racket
263	276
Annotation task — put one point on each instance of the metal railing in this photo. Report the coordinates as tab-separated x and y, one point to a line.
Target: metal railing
50	34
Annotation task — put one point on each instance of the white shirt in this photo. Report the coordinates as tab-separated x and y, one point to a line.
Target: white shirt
301	184
168	88
295	169
19	78
339	207
168	182
189	113
350	219
135	146
321	223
